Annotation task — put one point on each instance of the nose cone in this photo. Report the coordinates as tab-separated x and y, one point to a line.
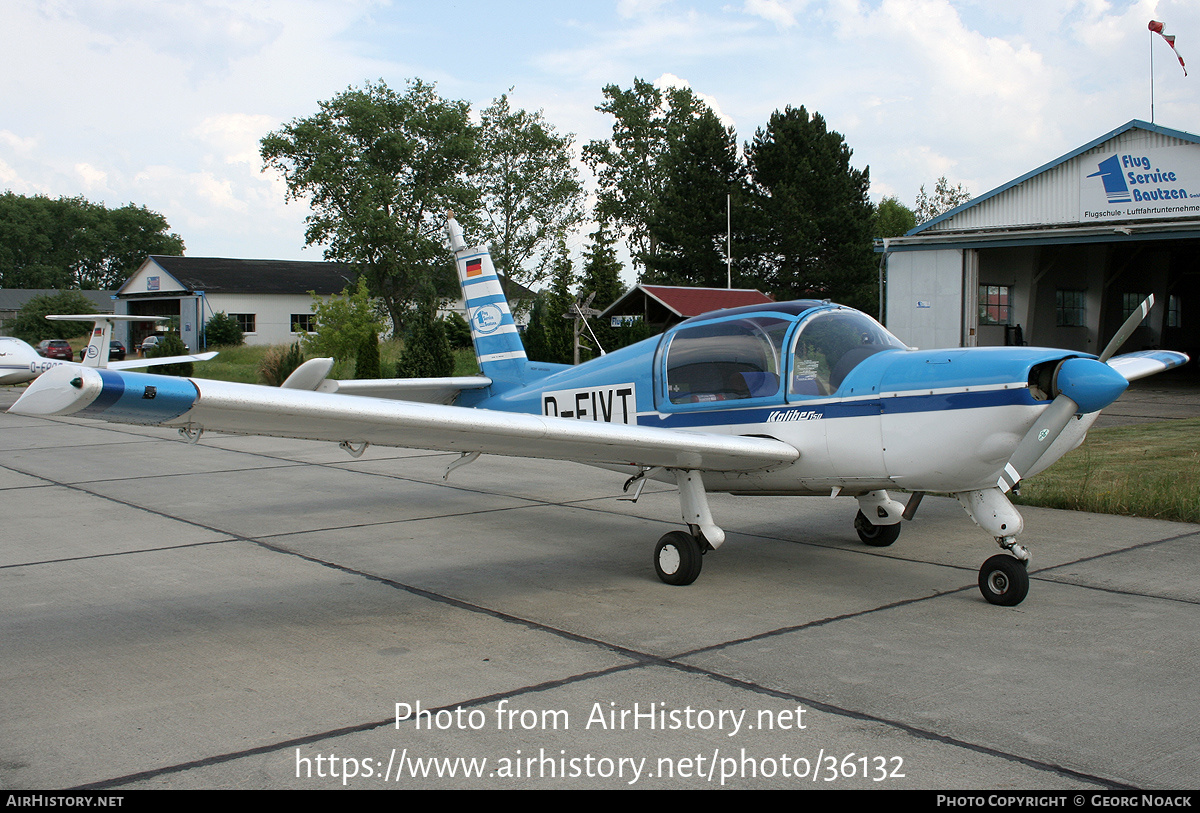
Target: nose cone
1091	384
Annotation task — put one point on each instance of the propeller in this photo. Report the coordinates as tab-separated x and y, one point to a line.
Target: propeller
1082	386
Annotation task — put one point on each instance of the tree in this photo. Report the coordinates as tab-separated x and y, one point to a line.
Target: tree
631	167
381	170
944	198
703	175
892	218
458	332
427	352
222	330
529	191
549	336
31	324
366	360
811	219
601	276
75	243
344	322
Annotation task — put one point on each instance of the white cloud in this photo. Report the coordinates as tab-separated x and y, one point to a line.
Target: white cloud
780	13
91	177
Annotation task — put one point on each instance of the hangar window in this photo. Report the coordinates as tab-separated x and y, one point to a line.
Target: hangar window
994	305
304	323
1070	308
1130	303
724	361
245	321
1173	311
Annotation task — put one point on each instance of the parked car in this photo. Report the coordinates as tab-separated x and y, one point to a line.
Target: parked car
149	343
55	349
116	351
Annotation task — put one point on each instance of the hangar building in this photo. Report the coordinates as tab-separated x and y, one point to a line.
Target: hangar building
1060	256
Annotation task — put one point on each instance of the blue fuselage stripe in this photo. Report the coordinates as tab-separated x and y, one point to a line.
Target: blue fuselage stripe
932	402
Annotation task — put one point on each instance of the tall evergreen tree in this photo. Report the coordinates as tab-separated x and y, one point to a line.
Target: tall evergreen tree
601	276
811	225
703	173
549	335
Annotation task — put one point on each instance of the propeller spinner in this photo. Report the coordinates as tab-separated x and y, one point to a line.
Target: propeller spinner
1081	385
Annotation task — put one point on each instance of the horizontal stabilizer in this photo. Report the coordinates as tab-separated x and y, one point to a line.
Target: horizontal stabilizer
422	390
134	364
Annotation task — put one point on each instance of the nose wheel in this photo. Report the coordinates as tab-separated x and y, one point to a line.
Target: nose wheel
1003	580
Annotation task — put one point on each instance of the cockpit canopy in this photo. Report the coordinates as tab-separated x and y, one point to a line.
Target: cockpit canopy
751	353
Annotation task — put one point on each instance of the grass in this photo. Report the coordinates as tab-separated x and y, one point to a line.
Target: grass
241	363
1144	470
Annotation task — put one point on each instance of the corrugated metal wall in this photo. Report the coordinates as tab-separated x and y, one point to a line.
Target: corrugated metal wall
1050	197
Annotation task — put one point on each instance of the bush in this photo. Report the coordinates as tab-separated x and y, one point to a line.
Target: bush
170	345
279	362
457	331
427	352
366	360
223	330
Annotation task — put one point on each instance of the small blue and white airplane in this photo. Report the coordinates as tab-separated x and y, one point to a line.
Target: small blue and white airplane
20	363
793	398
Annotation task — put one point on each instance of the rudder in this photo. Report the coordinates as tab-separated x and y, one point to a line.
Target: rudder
498	345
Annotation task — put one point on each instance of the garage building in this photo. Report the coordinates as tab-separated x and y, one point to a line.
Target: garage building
1062	255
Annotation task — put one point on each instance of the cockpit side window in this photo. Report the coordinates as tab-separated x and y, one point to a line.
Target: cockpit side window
729	360
831	344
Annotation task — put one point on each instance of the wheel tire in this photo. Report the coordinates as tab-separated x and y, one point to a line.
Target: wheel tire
1003	580
677	558
877	536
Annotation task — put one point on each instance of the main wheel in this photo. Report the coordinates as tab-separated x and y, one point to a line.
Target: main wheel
877	536
677	558
1004	580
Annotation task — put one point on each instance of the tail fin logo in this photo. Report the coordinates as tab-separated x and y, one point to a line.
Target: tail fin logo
474	267
486	318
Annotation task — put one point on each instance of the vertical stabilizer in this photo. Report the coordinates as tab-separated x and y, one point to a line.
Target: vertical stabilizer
498	345
96	354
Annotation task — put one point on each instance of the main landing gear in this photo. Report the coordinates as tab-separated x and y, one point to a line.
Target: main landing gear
678	556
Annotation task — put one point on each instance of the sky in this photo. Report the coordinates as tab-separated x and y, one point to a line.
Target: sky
163	103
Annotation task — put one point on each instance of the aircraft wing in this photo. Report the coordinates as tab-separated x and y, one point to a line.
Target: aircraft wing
133	364
256	410
1146	363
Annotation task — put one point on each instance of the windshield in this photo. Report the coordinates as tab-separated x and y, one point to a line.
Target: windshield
832	343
